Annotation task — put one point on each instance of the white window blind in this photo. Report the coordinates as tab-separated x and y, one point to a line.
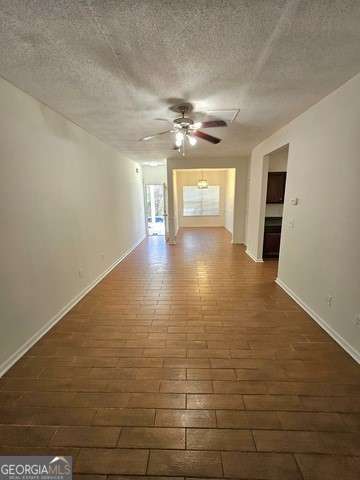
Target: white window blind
201	201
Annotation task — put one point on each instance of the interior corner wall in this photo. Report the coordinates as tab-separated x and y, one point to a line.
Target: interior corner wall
70	207
319	252
176	202
230	199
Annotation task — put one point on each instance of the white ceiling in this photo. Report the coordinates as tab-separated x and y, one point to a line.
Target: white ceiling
113	66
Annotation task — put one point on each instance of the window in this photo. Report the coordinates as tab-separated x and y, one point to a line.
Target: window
201	201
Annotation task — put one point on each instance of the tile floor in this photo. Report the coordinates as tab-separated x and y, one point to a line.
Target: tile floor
187	361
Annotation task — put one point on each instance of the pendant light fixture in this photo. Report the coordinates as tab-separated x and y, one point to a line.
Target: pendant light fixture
203	183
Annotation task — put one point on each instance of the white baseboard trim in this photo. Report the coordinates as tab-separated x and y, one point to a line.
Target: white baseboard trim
255	259
7	364
323	323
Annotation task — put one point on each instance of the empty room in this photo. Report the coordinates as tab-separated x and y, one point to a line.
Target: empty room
179	246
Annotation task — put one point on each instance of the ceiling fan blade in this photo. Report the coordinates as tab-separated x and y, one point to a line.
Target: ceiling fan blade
164	120
205	136
149	137
213	123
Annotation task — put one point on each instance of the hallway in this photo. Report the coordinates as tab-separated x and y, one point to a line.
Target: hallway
188	361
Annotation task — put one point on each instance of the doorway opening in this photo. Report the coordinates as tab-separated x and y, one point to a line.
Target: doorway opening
274	199
155	209
204	198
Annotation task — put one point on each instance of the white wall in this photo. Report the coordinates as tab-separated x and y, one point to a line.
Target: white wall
241	168
175	206
68	204
154	175
320	255
278	160
191	178
230	199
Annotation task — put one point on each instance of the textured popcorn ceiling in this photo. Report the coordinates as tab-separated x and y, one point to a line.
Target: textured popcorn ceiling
113	66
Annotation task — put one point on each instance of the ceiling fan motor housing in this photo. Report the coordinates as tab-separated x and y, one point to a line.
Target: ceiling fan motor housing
182	108
183	122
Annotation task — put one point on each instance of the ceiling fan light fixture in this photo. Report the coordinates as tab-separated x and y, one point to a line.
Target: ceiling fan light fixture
185	128
192	140
179	138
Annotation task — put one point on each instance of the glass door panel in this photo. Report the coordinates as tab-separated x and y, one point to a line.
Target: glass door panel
155	209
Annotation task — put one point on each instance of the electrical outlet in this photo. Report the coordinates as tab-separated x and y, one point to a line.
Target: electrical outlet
81	273
329	300
102	255
356	320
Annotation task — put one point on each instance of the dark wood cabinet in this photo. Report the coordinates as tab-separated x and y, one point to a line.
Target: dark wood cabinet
275	194
272	237
271	244
276	187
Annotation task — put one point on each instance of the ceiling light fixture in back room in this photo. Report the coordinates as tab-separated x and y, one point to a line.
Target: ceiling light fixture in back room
203	183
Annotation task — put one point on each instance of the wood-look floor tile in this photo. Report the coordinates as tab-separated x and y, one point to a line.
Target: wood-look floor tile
272	402
331	404
186	386
265	466
152	437
329	467
311	421
132	386
346	443
86	437
219	439
352	421
240	387
185	462
288	441
185	418
161	373
249	420
111	461
15	435
215	401
187	361
124	417
210	374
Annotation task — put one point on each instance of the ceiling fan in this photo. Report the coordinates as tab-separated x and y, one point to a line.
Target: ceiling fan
186	130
